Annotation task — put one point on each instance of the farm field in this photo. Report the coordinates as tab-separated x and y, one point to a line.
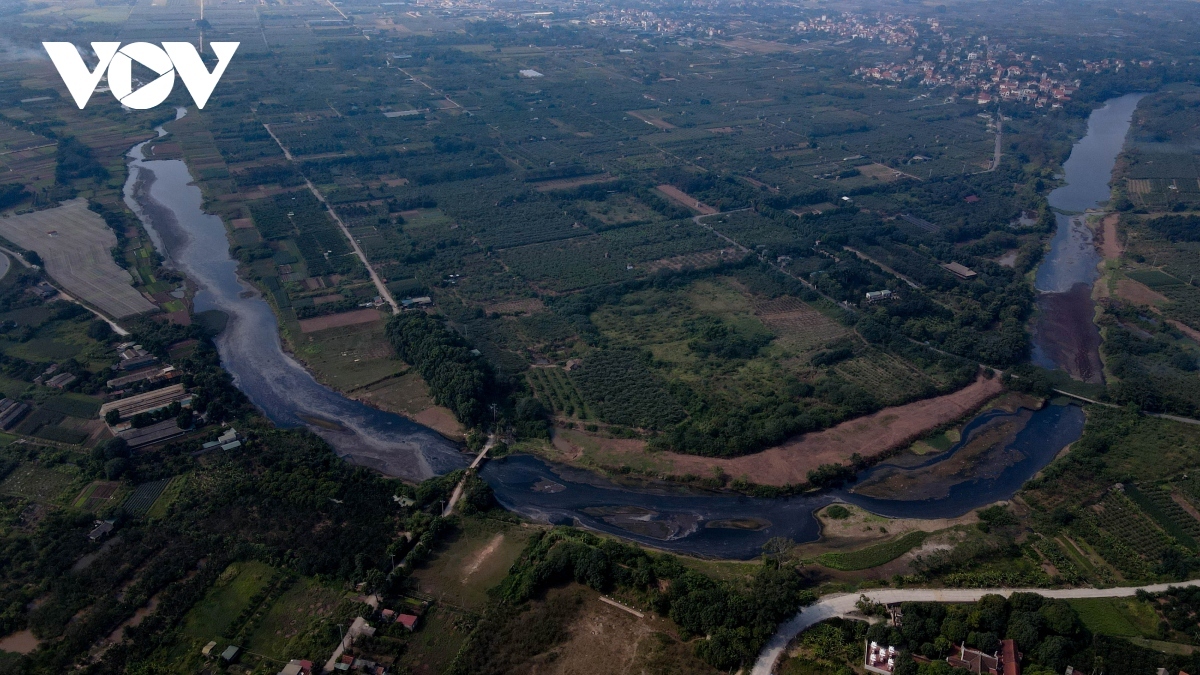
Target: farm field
36	483
76	245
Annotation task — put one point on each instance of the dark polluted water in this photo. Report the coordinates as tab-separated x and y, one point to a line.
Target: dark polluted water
717	525
1064	333
161	193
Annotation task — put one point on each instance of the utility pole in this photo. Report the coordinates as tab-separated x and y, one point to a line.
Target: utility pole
494	408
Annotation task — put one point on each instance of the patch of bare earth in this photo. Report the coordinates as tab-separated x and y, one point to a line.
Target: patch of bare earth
338	320
1138	293
1110	243
442	421
483	554
19	643
868	436
1186	329
684	199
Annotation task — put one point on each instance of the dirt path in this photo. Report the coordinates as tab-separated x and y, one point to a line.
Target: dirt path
868	436
484	554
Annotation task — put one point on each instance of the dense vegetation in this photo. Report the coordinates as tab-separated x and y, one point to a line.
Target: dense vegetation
735	621
458	378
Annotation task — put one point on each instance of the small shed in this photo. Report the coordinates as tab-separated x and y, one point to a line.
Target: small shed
231	653
409	621
208	648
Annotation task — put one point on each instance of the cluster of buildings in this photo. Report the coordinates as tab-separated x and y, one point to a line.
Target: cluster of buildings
49	378
11	412
889	29
976	67
641	20
881	659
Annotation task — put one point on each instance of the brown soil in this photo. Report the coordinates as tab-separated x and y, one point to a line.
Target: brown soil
19	643
1138	293
863	528
338	320
606	640
568	183
1186	329
1107	239
1065	326
442	421
482	555
686	200
869	436
652	120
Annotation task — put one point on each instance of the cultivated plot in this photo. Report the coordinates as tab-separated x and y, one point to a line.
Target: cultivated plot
76	246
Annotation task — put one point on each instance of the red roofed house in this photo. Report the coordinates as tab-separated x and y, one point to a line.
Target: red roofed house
1007	661
409	621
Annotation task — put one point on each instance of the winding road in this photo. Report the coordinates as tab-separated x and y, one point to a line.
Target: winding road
842	604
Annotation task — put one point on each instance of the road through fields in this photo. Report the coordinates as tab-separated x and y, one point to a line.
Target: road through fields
842	604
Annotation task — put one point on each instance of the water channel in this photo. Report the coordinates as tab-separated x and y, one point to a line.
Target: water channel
710	524
1065	334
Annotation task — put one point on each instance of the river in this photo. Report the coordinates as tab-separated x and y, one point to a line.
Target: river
162	194
1065	335
1064	281
719	525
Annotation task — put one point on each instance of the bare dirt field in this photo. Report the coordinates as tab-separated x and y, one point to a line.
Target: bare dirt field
19	643
606	640
1186	329
442	421
76	246
872	435
1109	242
338	320
684	199
651	119
884	173
1139	293
568	183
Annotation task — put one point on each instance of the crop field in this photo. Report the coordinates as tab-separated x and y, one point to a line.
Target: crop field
1165	507
96	495
144	496
74	405
75	244
892	381
797	324
36	483
554	387
873	556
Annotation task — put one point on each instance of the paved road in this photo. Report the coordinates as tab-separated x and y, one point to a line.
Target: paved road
843	603
5	263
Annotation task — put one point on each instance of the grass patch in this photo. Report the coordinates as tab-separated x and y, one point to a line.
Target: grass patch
472	560
349	357
305	603
1120	617
873	556
226	600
